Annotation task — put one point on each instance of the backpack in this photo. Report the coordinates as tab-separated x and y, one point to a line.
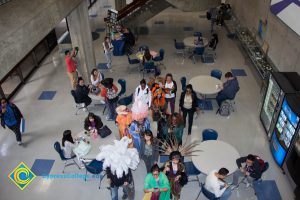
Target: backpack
111	95
224	109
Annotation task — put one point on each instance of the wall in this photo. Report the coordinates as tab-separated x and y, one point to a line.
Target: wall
284	43
194	5
30	22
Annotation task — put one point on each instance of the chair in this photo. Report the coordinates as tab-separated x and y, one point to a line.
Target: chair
180	47
79	105
94	167
232	102
126	100
197	34
163	158
149	67
122	82
160	58
183	83
206	193
58	149
216	73
133	61
209	134
143	47
102	75
191	170
199	52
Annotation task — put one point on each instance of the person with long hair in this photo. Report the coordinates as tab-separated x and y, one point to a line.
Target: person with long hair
110	92
157	184
108	48
174	128
68	144
188	105
96	77
175	171
159	104
149	150
147	56
170	88
92	122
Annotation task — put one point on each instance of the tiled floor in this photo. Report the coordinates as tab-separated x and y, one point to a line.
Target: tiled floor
46	120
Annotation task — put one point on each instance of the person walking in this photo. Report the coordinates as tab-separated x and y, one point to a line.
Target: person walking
108	48
170	88
11	117
149	150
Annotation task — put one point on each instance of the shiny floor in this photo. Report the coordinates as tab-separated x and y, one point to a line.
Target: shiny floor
46	120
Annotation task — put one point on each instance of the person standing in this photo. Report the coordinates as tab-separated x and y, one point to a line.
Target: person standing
110	92
71	66
170	88
11	117
143	93
123	120
108	48
149	150
216	185
188	105
174	128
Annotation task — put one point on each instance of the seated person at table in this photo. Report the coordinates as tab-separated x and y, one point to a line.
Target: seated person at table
143	93
216	185
68	144
156	183
228	89
147	56
96	77
129	40
82	92
254	167
92	122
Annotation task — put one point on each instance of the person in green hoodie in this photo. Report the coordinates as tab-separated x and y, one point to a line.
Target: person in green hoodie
157	183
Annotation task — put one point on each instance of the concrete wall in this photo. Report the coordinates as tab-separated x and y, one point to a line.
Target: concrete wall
284	43
23	24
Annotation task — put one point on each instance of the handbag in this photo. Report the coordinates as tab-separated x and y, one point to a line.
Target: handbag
147	196
104	131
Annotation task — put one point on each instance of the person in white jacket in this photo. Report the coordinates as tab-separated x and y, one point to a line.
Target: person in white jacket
96	77
143	93
68	144
215	184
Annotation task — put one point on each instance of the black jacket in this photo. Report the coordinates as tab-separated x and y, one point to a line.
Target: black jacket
155	150
255	170
82	94
194	103
16	111
98	123
117	182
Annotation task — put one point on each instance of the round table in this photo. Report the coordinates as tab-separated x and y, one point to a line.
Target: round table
205	84
214	155
190	42
140	55
101	98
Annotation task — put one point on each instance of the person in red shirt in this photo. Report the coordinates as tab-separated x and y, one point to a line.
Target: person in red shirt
71	66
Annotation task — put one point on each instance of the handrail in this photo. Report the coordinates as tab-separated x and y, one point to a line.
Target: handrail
130	7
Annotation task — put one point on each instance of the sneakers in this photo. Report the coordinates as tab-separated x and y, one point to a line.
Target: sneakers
125	196
19	143
108	118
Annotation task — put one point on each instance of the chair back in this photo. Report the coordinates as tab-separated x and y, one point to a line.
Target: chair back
143	47
178	45
199	51
183	83
94	167
190	169
126	100
149	65
216	73
59	150
207	193
209	134
122	82
102	75
197	34
73	93
163	158
161	54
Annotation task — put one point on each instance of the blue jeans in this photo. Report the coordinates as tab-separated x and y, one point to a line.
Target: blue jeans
226	194
128	190
220	98
111	107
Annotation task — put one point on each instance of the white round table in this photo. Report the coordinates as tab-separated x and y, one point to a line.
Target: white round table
190	42
214	155
205	84
102	99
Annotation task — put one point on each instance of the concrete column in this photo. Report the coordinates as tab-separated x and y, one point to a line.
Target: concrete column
80	32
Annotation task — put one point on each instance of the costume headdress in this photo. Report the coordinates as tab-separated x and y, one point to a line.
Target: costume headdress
139	110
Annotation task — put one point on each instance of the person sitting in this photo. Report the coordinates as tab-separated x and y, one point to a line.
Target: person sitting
253	169
92	122
216	185
175	171
82	92
68	144
147	56
214	41
228	89
96	77
149	150
143	93
156	183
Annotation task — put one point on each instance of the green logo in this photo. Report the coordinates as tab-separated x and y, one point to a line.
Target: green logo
22	176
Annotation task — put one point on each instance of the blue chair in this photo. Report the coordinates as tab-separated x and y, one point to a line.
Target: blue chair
216	73
197	34
209	134
79	105
149	67
191	170
126	100
94	167
122	82
183	83
163	158
132	61
199	51
180	48
160	58
102	75
58	149
207	193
